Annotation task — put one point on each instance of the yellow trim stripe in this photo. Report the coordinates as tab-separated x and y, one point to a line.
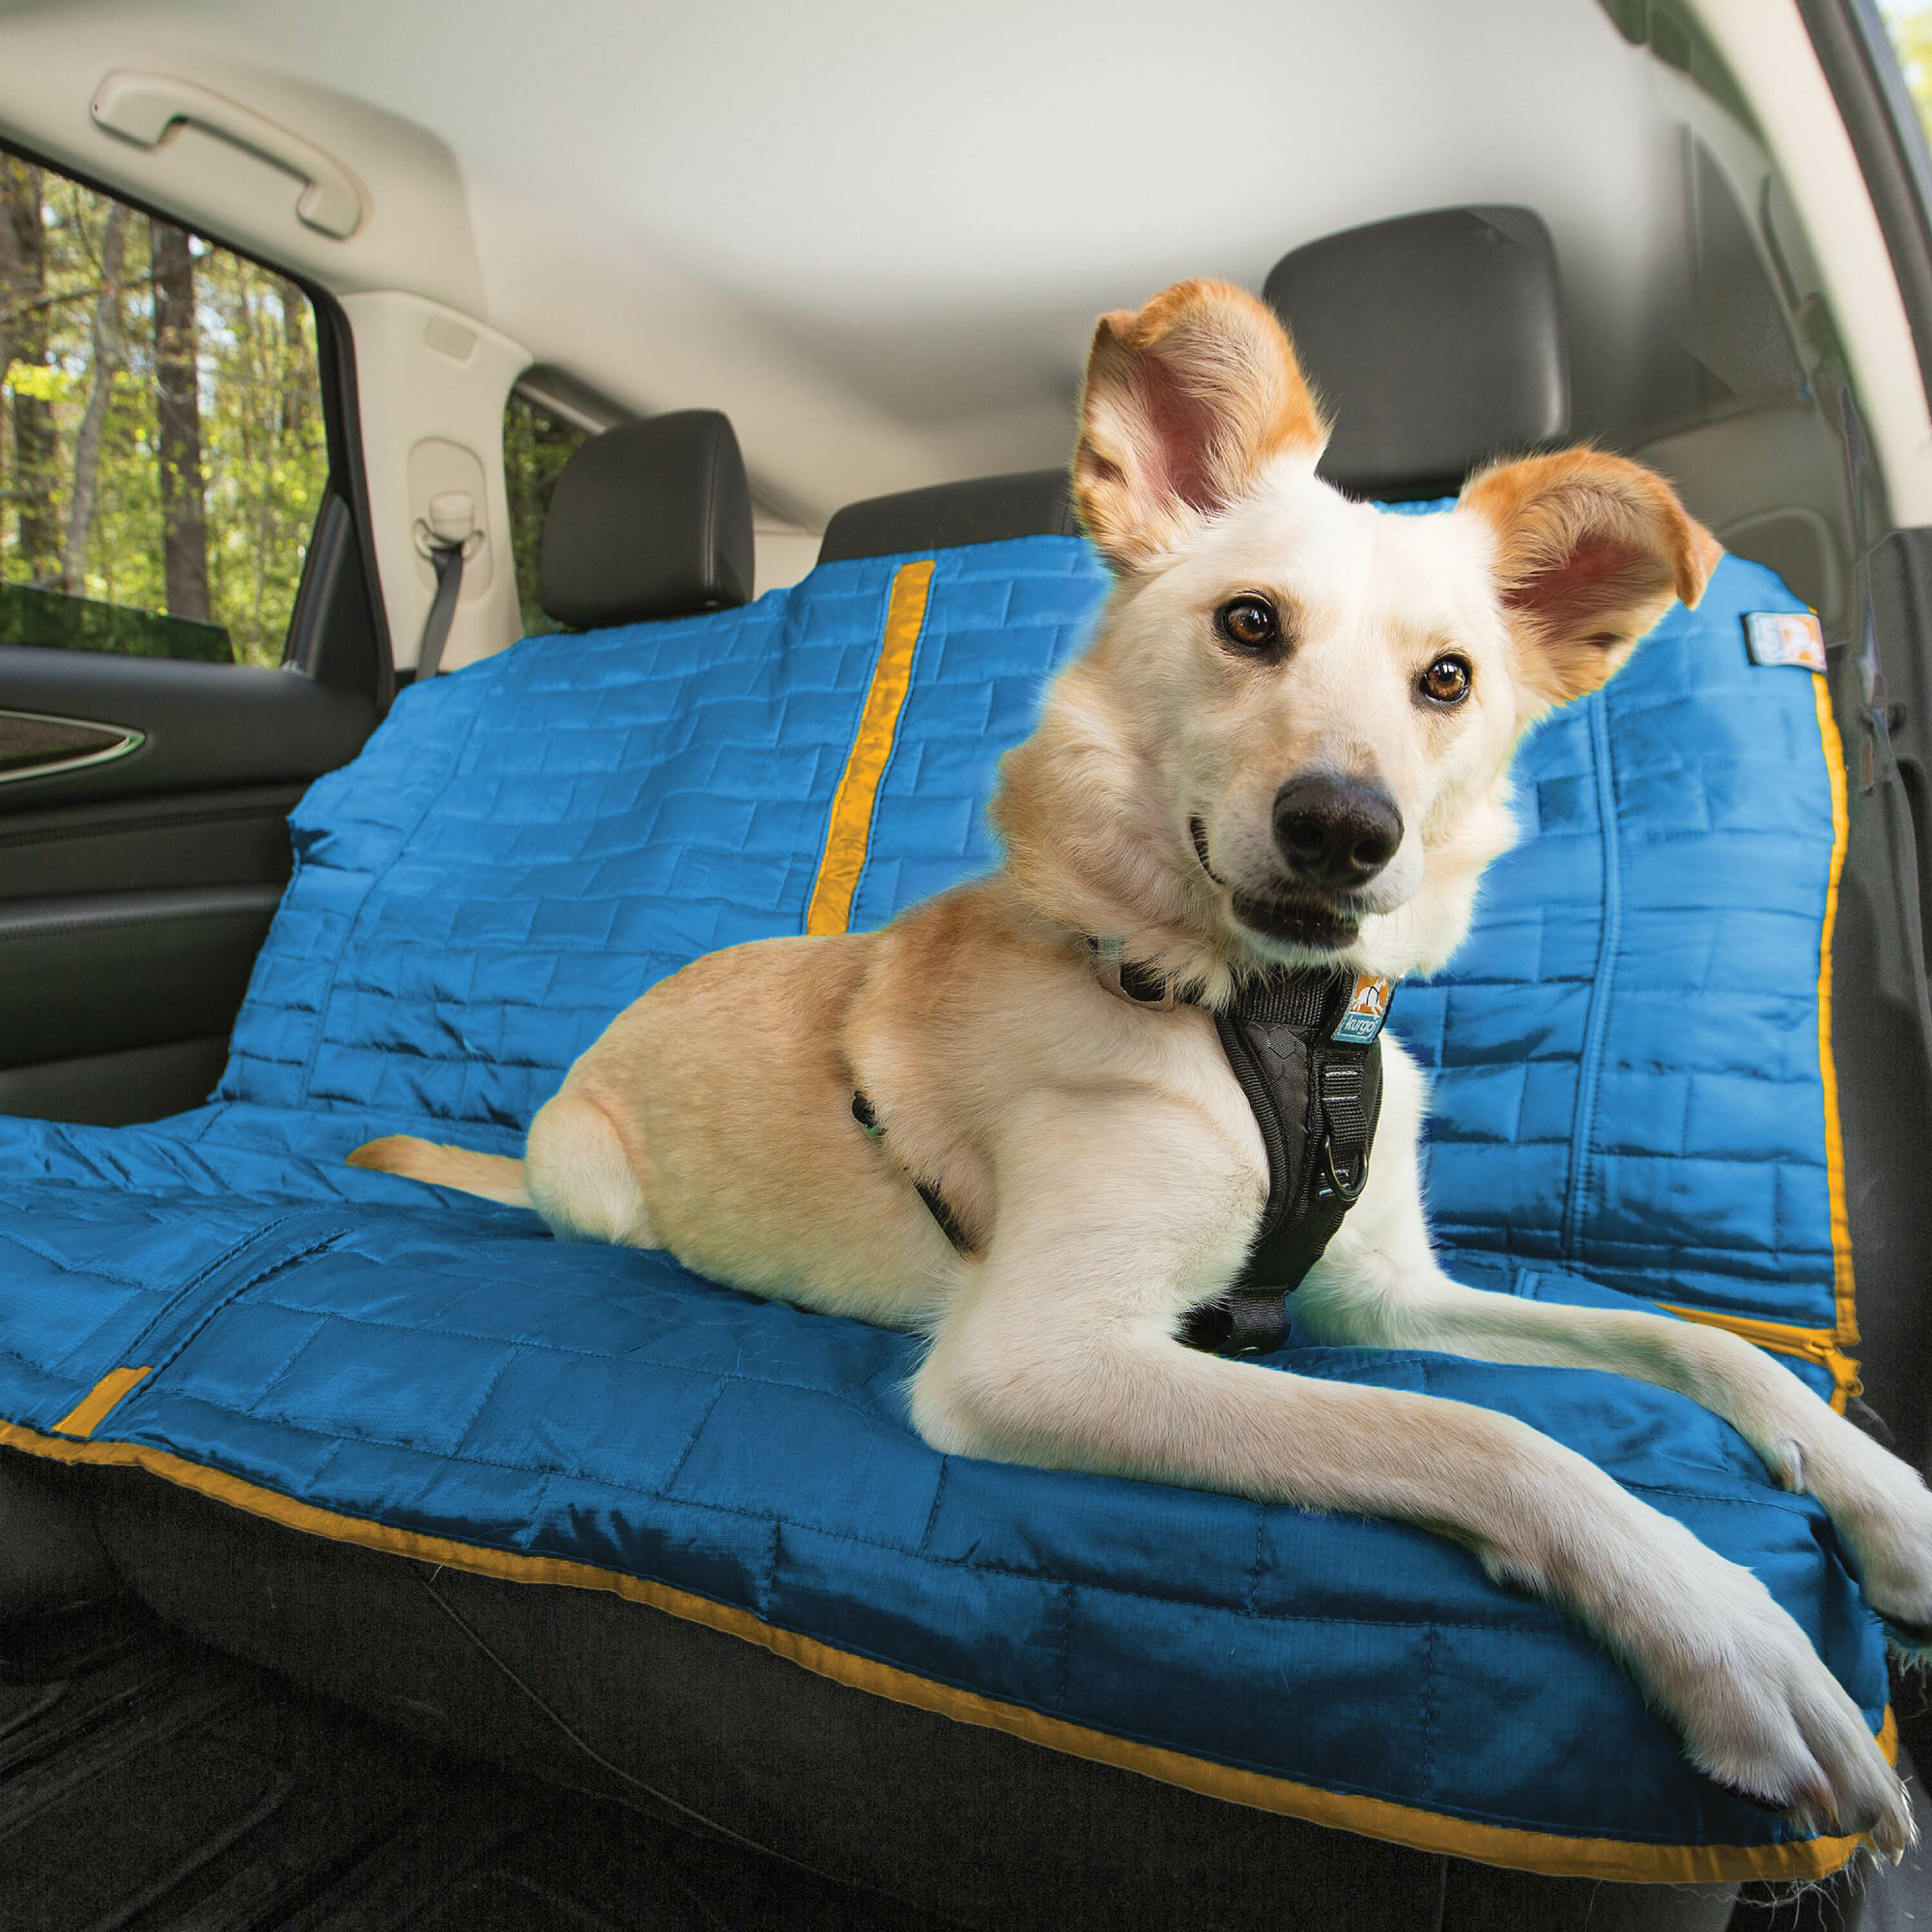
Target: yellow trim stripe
1422	1831
1816	1344
91	1412
1834	1140
849	830
1827	1345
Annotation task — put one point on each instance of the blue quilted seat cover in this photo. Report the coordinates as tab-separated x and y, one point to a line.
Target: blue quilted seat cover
1631	1103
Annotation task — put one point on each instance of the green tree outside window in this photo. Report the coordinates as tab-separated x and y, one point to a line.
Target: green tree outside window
162	453
1910	28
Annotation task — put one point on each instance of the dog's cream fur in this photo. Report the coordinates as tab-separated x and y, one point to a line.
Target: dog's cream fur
1100	1155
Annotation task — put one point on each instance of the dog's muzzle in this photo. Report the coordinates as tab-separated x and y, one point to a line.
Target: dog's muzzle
1291	915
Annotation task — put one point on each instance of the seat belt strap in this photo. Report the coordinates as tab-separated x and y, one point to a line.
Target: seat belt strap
446	558
447	537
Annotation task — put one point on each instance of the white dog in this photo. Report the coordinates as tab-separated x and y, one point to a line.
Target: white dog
1286	748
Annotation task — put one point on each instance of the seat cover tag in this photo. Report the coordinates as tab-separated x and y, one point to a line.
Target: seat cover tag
1785	637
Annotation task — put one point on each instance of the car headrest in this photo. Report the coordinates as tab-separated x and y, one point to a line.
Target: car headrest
649	519
1434	341
1032	502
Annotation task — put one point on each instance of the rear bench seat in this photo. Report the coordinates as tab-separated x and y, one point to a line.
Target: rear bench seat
299	1402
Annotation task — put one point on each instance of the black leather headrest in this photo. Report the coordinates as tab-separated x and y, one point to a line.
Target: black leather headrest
650	519
1435	342
1031	503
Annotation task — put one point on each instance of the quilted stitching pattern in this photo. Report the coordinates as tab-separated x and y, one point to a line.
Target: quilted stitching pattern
1626	1086
608	807
1627	1050
596	1405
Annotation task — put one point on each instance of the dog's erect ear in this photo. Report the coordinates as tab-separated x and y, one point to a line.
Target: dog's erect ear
1591	551
1184	402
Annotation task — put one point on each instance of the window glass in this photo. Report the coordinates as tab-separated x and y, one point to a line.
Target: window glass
537	443
1909	23
163	453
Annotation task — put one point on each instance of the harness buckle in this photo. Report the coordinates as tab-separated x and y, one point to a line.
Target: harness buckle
1348	1192
1119	978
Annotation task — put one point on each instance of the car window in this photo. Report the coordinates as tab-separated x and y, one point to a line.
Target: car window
1908	26
163	451
537	442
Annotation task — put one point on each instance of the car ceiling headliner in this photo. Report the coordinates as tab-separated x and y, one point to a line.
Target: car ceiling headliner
878	235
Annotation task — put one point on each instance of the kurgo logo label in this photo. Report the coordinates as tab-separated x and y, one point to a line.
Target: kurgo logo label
1368	1007
1785	637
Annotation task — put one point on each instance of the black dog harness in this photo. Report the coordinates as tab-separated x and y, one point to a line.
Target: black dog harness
1306	1048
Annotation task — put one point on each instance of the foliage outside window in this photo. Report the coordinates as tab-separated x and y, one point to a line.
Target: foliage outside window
1910	28
163	453
537	443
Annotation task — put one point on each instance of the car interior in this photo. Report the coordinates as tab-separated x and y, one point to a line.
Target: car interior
621	322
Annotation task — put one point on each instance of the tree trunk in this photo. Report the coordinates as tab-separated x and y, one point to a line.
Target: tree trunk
177	384
107	358
294	369
36	451
10	297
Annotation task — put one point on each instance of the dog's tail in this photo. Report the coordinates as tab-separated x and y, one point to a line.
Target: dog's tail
495	1176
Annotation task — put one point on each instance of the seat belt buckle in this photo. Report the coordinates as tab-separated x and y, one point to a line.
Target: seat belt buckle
450	526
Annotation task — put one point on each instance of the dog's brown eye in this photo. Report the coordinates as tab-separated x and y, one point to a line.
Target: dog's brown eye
1447	681
1250	623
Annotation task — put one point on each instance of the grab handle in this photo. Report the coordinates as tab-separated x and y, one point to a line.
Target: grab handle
141	108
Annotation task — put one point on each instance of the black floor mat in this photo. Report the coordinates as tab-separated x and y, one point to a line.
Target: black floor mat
149	1785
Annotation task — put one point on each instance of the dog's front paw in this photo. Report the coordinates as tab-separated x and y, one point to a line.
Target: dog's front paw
1762	1714
1884	1516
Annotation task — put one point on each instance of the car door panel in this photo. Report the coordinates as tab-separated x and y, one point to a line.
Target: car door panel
104	972
135	892
238	835
204	727
115	1090
151	747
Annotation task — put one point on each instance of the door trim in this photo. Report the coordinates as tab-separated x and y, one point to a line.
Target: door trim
126	738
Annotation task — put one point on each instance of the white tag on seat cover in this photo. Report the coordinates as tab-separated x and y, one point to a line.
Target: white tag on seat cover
1785	637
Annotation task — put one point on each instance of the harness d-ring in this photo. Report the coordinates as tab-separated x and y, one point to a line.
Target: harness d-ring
1348	1191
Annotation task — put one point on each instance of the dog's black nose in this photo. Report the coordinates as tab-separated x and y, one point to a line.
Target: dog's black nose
1334	831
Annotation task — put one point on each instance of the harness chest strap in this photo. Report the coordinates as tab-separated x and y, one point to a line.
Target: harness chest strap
935	1202
1306	1048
